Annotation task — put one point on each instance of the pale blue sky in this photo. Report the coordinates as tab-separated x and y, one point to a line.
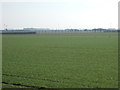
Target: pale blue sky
61	14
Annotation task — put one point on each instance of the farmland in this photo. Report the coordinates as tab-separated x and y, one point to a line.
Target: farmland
86	60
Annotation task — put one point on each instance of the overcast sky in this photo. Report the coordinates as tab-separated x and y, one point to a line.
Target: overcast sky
60	14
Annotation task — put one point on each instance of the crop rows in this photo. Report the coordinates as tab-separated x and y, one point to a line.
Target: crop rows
61	61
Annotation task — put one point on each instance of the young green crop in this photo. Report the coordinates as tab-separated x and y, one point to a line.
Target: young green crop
88	60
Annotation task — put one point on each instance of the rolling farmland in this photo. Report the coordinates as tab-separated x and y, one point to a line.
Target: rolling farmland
84	60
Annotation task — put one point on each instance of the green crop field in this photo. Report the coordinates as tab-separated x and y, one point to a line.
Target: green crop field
86	60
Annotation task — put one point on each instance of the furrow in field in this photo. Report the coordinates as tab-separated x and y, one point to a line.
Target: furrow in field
44	79
16	84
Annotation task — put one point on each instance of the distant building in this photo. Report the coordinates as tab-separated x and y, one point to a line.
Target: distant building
99	30
35	29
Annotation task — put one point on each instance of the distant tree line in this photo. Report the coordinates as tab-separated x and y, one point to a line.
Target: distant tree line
95	30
